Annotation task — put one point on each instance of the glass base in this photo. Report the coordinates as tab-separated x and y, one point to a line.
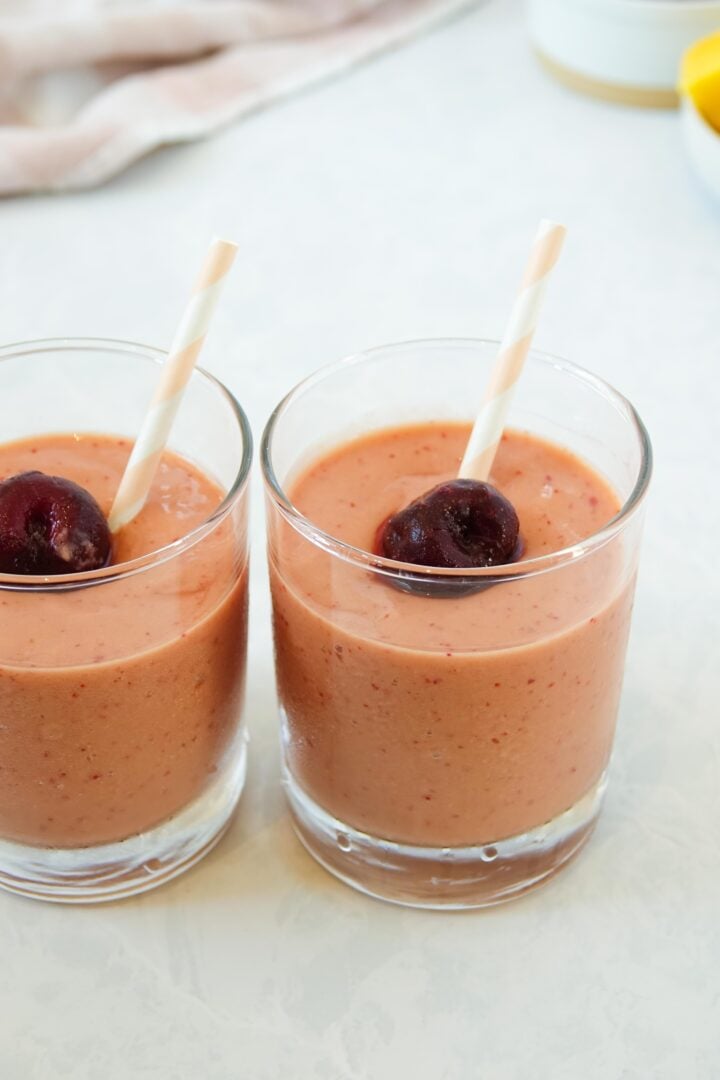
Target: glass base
90	875
443	878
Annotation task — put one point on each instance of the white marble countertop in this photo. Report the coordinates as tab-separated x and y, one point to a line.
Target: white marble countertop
399	202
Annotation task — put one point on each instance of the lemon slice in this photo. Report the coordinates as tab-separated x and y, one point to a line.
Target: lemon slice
700	77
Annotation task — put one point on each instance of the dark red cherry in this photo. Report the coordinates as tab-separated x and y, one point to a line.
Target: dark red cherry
49	525
461	524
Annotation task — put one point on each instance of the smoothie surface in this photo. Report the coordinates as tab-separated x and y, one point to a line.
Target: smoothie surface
350	491
180	499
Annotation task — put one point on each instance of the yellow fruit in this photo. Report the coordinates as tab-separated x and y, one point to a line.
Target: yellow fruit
700	77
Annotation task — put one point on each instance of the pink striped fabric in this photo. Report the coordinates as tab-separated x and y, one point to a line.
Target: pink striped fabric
88	86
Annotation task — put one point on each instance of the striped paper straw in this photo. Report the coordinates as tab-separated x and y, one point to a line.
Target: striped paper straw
487	431
174	377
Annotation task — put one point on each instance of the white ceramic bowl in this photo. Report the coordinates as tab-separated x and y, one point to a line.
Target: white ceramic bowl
624	50
703	144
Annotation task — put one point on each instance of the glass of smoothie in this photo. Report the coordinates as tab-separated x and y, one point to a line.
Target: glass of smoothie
122	747
446	733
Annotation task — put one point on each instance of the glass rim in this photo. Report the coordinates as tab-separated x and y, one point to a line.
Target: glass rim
508	571
86	579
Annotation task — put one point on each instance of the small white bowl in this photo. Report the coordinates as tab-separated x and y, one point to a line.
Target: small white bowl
703	145
623	50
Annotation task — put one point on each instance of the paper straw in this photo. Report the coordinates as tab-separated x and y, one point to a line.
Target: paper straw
487	431
174	377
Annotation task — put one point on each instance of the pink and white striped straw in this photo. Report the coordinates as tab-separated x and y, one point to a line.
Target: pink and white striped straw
487	431
174	377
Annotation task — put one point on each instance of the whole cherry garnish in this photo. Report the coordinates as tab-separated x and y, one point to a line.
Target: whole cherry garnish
460	524
49	525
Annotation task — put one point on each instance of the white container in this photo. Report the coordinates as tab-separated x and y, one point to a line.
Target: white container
623	50
703	144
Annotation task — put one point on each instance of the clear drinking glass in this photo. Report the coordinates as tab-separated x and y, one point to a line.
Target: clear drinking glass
464	770
122	748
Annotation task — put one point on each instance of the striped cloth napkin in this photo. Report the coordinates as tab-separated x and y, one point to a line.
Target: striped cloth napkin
88	86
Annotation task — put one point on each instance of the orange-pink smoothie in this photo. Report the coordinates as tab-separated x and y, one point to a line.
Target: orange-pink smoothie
119	702
448	721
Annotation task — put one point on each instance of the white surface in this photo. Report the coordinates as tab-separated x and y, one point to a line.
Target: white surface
703	145
399	202
635	43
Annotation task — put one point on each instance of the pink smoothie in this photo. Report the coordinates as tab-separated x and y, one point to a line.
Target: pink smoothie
448	722
118	703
